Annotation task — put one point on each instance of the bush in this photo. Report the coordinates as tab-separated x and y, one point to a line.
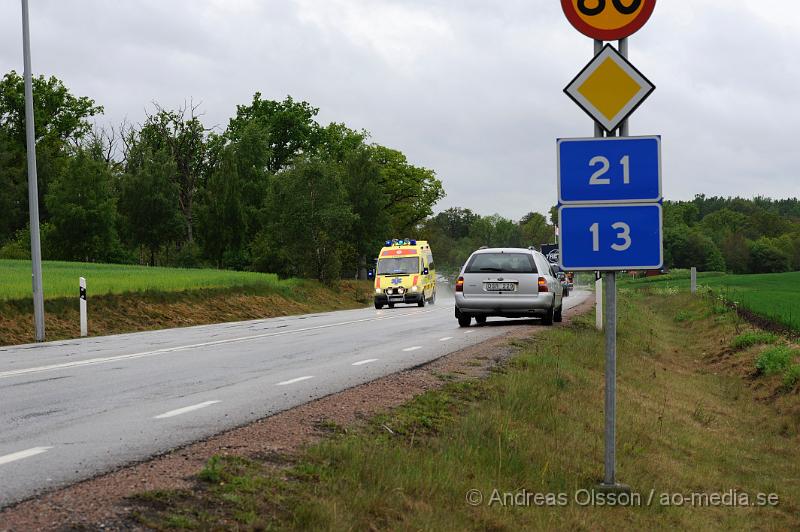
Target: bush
774	360
751	338
791	377
766	257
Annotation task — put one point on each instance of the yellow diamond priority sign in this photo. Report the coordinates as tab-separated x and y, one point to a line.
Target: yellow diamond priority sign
609	88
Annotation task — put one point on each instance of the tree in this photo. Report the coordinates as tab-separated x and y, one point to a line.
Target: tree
766	257
410	191
221	216
535	230
307	223
148	203
289	127
181	134
685	247
455	222
83	212
61	121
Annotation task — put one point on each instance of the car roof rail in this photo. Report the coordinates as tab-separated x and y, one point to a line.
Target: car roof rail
484	247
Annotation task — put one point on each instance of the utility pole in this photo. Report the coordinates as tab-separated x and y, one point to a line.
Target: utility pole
33	187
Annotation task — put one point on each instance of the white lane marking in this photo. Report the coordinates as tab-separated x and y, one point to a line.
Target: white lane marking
23	454
103	360
414	348
468	332
292	381
446	338
362	362
185	409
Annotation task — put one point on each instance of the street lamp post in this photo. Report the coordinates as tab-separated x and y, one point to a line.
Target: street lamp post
33	187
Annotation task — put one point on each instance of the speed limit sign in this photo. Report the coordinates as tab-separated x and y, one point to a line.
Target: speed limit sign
608	20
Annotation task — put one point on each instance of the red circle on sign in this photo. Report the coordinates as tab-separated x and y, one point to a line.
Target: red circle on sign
581	16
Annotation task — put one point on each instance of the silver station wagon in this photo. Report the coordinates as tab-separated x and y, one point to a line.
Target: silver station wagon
507	282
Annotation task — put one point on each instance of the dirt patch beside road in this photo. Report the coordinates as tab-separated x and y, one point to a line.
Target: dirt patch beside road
104	501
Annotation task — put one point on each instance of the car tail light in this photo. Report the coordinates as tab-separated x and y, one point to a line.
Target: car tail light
460	284
543	285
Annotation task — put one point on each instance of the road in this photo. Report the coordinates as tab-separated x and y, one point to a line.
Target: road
70	410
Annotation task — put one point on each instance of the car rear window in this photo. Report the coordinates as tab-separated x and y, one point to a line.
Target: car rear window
501	263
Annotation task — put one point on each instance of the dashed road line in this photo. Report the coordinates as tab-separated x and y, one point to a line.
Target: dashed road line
413	348
292	381
185	409
468	332
362	362
446	338
13	457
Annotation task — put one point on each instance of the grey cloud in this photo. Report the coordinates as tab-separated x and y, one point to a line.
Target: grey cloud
469	88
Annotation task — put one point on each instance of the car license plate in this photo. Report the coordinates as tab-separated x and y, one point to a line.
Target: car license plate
500	287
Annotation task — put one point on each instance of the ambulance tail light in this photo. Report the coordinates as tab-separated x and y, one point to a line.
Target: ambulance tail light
543	285
460	284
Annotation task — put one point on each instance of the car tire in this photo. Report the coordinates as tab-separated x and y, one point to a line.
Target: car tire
421	302
480	320
433	298
547	319
557	317
464	320
378	306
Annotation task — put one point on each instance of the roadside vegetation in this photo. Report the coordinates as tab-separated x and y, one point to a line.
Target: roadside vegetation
272	191
171	299
61	279
774	297
694	416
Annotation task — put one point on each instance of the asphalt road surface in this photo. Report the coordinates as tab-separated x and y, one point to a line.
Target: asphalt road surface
70	410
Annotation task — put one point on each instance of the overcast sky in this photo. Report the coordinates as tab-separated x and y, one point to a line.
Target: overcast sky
469	88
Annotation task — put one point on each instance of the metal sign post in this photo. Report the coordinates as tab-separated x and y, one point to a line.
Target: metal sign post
610	215
33	187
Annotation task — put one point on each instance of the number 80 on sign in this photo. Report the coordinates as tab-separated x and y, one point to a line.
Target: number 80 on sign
610	237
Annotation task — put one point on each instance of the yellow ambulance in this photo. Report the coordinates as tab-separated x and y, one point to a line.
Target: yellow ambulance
405	274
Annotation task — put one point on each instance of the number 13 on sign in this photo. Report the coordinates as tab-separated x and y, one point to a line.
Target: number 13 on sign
610	237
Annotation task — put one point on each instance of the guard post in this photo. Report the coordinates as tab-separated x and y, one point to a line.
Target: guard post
84	317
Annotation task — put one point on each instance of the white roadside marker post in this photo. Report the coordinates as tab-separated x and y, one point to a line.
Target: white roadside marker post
84	318
694	280
598	299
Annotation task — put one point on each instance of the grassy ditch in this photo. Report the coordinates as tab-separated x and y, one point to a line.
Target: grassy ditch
156	309
694	416
773	296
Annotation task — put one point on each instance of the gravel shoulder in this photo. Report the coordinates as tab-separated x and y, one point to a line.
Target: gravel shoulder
103	502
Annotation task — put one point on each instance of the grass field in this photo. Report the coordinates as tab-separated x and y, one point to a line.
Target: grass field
775	296
60	279
692	422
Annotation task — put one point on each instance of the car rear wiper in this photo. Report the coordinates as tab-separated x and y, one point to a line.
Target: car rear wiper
491	269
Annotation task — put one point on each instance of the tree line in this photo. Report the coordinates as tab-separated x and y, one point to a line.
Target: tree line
736	235
275	191
278	192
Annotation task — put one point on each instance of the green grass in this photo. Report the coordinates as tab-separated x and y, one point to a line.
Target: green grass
536	425
60	279
775	360
775	296
751	338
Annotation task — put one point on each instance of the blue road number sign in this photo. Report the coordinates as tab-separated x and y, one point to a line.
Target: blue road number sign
610	237
609	170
